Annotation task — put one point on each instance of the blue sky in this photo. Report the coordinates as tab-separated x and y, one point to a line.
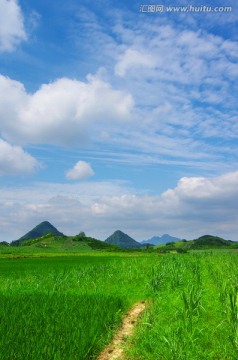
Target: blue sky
111	118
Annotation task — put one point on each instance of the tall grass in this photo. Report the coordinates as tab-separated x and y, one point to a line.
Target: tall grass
190	318
56	326
58	308
66	308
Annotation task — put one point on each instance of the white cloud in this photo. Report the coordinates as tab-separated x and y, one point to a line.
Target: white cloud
176	87
12	30
196	206
81	170
133	59
14	160
65	111
67	206
13	99
182	57
185	99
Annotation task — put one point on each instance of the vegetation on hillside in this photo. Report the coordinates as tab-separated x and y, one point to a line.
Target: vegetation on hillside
80	242
118	238
202	243
46	236
42	229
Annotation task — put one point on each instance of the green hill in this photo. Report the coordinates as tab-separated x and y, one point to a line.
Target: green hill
212	241
81	242
201	243
42	229
118	238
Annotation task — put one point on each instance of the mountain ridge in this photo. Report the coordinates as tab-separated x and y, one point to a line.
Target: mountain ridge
159	240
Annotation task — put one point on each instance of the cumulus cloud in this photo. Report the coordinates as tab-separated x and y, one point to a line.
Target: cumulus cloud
12	30
196	206
205	198
14	160
13	99
65	111
81	170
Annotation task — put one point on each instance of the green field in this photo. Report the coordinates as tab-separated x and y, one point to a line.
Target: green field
67	307
194	310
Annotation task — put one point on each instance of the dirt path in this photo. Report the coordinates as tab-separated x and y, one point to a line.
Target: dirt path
114	351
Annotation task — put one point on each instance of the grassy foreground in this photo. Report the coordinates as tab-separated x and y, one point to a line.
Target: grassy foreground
194	310
68	307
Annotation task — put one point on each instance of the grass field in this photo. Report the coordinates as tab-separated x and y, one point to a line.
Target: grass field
194	309
67	307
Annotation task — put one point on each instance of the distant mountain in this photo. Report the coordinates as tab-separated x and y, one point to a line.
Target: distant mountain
157	240
122	240
42	229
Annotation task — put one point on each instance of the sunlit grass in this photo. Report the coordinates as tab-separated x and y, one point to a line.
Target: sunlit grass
68	307
193	315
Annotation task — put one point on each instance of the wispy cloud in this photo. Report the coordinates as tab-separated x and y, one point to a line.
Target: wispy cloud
132	60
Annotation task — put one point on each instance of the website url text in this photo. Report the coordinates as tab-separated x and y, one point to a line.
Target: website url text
190	8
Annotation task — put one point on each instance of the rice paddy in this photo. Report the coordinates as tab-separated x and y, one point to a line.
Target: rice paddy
69	307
